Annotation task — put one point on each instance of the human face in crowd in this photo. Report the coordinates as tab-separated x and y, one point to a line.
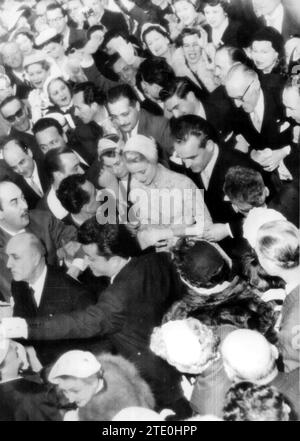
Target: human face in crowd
78	390
186	12
99	265
223	64
157	43
12	56
19	161
96	6
92	206
57	20
181	106
143	171
241	207
75	10
124	114
49	139
291	101
5	89
16	114
264	55
96	39
192	155
192	49
84	111
59	93
37	75
114	162
151	91
215	15
126	72
22	259
24	43
265	7
14	208
70	165
244	92
54	50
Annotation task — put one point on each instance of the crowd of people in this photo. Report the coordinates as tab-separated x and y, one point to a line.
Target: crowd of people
149	210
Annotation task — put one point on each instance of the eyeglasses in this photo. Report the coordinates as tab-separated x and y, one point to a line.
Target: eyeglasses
12	118
241	98
55	20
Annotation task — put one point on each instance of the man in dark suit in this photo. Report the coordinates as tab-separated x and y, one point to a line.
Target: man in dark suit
58	19
29	166
141	291
274	13
42	291
15	218
260	119
130	118
13	61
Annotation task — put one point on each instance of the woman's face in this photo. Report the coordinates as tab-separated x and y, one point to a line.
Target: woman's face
186	12
24	43
143	171
54	50
37	75
215	15
157	44
264	55
59	93
192	49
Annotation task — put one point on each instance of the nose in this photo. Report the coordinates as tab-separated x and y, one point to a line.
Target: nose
238	103
9	263
288	113
176	113
187	163
23	204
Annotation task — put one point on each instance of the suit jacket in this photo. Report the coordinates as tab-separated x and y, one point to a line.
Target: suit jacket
84	140
230	35
76	35
52	232
157	127
61	294
288	337
114	20
126	312
23	87
289	385
290	26
220	111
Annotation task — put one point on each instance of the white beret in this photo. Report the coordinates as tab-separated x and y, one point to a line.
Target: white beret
79	364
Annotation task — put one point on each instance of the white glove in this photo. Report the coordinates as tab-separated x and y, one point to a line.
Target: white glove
13	327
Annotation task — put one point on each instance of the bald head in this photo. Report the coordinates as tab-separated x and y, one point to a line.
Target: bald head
243	86
26	259
247	355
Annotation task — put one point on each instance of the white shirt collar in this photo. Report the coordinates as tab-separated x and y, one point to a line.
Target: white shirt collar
112	279
276	18
259	108
55	206
35	178
66	38
290	287
38	286
12	233
207	172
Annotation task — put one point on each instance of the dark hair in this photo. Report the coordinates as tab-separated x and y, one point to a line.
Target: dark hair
19	142
270	34
156	28
246	401
224	4
236	55
245	185
52	162
91	94
10	99
111	34
54	6
93	29
71	194
185	33
192	125
155	70
180	86
122	91
107	237
75	45
46	123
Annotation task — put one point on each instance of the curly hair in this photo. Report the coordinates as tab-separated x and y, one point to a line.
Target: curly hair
248	402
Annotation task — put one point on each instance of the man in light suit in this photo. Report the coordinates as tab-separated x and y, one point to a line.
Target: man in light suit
42	291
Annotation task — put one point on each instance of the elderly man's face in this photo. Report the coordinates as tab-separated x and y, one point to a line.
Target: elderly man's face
22	259
244	91
14	208
16	114
223	64
12	56
291	101
125	115
19	161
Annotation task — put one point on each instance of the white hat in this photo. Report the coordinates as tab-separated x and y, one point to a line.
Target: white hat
143	145
255	219
4	345
137	414
108	144
36	57
80	364
45	36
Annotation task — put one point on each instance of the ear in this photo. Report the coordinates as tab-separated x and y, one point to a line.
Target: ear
267	192
210	146
190	97
138	106
29	153
275	352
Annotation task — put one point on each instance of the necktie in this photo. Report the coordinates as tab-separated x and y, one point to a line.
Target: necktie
31	296
35	188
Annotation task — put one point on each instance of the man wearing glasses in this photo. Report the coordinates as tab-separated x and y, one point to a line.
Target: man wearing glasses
58	19
260	119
